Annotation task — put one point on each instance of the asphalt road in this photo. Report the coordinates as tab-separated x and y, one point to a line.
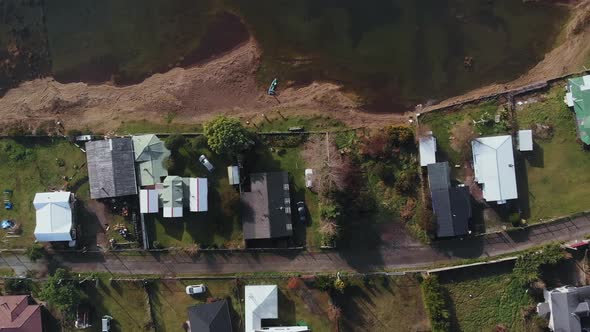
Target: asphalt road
387	257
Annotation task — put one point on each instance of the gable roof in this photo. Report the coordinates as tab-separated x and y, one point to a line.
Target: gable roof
210	317
525	140
579	97
493	162
111	168
427	147
266	209
150	154
53	216
262	302
172	196
451	206
18	316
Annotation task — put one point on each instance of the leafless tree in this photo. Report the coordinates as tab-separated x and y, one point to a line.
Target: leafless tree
332	168
329	229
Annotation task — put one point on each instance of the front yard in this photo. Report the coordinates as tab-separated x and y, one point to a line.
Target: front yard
30	165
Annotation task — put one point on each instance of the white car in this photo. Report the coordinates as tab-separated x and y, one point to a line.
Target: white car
106	323
308	178
206	163
196	289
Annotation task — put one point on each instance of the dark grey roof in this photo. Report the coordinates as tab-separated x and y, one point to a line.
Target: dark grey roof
567	307
210	317
266	209
439	176
451	206
111	168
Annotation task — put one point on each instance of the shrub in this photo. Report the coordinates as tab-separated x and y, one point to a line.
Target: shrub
174	142
157	245
385	173
293	283
376	145
427	221
60	162
401	136
436	305
18	286
339	285
324	283
407	211
35	252
406	181
17	152
526	268
60	293
514	218
329	210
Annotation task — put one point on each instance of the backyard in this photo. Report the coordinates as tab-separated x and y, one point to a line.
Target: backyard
36	165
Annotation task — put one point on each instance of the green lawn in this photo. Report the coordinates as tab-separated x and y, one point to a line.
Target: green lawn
557	170
168	125
29	166
278	122
383	304
126	302
221	224
483	299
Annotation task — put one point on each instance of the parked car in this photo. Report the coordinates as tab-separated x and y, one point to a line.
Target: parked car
196	289
206	163
106	323
302	210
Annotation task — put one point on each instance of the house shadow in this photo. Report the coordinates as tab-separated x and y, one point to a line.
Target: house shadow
535	158
461	247
522	183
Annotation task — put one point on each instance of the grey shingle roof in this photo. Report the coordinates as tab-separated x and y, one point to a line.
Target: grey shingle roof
210	317
266	209
111	169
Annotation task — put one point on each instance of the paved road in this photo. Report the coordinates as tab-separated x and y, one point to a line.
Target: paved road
387	257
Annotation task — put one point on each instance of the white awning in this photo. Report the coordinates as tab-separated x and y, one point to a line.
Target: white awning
148	201
198	195
233	173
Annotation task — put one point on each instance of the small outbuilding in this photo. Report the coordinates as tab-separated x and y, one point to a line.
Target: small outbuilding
198	191
148	201
427	147
525	140
55	216
233	174
172	197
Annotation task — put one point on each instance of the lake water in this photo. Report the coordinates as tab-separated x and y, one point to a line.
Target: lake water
394	53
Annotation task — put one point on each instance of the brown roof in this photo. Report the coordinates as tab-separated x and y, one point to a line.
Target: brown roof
17	315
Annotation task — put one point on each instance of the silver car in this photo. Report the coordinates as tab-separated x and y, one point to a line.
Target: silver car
206	163
196	289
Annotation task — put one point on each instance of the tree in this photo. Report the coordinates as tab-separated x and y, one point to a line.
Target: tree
463	133
35	252
436	304
175	142
227	136
334	170
60	292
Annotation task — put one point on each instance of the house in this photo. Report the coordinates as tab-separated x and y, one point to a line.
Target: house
451	206
111	168
150	155
55	216
176	193
493	163
209	317
568	308
427	147
525	140
262	302
578	97
17	315
266	208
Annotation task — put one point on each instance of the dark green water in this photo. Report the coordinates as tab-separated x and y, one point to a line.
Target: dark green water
393	53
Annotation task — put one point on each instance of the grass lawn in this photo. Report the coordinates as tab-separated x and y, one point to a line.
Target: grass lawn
221	225
558	167
481	299
278	122
126	302
383	304
29	166
166	126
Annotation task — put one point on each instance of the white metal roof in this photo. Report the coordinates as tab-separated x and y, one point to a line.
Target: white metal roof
54	216
493	162
525	140
198	194
148	201
233	173
427	146
262	302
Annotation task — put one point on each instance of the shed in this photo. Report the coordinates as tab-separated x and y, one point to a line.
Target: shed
148	201
233	174
54	211
111	168
210	317
197	189
525	140
427	146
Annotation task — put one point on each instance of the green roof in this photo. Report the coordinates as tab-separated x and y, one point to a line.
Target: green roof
580	89
172	194
150	154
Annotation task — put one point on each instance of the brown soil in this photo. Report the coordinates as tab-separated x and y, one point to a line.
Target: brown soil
224	85
227	85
